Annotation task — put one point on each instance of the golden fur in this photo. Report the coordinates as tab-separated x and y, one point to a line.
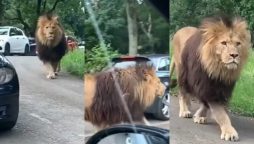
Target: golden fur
222	51
139	88
49	31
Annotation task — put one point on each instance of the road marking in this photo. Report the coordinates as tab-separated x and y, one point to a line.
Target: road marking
41	118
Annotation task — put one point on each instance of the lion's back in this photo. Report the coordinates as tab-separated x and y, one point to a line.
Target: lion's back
179	41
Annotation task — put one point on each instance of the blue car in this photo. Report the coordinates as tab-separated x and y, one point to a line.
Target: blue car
9	94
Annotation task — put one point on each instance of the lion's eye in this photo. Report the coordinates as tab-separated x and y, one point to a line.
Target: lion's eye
238	43
224	42
47	27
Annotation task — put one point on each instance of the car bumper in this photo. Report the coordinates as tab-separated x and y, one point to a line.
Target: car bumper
9	101
9	107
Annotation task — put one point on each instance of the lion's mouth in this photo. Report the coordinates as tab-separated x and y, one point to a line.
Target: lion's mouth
50	37
232	65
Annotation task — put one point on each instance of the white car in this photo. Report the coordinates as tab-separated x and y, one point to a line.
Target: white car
13	41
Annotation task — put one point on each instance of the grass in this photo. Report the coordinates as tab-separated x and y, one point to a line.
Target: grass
242	102
73	62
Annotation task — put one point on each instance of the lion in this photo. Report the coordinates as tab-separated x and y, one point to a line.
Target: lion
208	61
120	95
51	43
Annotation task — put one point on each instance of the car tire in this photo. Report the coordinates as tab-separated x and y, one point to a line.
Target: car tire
26	52
8	125
162	109
7	49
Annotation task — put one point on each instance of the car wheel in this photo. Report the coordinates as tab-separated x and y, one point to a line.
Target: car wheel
163	109
7	126
7	49
26	52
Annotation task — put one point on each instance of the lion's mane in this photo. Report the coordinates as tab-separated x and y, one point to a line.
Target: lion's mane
50	51
103	106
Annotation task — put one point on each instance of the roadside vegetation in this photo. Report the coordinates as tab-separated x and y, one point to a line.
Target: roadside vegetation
242	101
73	62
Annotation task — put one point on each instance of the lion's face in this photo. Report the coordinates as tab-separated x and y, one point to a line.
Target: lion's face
224	48
49	31
154	83
230	51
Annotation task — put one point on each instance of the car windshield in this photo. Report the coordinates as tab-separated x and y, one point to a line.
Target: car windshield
3	31
113	32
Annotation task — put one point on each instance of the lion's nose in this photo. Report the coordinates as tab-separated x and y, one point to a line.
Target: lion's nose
234	55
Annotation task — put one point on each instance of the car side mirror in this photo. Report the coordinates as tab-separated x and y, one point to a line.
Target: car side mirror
130	134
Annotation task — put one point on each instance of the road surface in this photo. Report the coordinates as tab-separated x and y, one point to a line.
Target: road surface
51	111
185	131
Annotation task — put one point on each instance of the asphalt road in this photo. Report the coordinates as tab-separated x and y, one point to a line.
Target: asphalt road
51	111
185	131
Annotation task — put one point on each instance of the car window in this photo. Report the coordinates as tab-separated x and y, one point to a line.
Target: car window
19	32
163	65
12	32
3	31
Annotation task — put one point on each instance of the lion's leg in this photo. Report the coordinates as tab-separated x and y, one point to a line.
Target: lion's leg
200	115
50	71
228	132
56	67
184	101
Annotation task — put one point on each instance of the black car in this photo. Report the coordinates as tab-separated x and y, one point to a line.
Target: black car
159	109
32	44
9	94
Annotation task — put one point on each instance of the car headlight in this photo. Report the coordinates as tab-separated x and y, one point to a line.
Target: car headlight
6	74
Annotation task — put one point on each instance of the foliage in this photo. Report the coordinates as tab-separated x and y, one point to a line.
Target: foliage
24	14
112	21
97	58
242	101
189	13
73	62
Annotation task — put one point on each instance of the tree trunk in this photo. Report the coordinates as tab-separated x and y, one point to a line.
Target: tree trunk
1	12
132	26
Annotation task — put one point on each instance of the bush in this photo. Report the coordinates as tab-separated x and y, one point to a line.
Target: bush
96	59
73	62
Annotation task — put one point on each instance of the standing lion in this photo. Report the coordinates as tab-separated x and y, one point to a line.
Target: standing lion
208	61
51	43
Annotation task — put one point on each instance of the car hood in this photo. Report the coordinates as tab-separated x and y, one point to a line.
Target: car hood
3	36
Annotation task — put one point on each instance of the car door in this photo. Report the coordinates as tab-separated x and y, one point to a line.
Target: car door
13	40
163	69
21	41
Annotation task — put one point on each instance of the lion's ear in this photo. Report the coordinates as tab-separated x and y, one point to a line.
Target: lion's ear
240	24
56	18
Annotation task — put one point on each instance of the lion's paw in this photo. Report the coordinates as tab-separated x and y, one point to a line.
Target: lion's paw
51	76
200	120
185	114
229	134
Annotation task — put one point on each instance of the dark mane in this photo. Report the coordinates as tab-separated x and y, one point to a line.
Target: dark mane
194	79
55	54
226	19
